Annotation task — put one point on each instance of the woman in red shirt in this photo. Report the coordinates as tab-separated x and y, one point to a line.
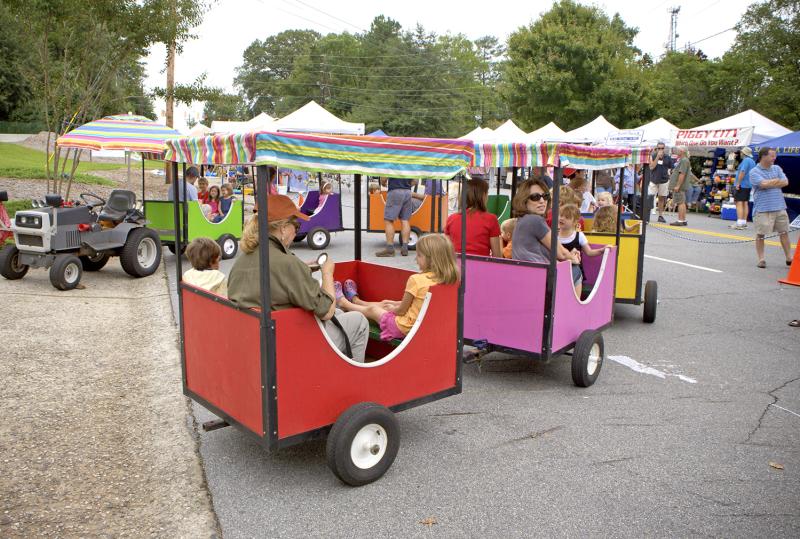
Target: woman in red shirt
483	230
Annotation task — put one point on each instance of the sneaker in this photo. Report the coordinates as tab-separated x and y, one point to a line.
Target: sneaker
678	223
661	219
404	250
761	264
386	252
337	290
350	289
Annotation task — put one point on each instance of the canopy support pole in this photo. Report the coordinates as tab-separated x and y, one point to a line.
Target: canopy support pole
357	207
550	288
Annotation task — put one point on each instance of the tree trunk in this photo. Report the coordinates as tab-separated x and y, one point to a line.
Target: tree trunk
170	100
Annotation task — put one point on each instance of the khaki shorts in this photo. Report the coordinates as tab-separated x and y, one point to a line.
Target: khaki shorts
660	189
768	222
679	197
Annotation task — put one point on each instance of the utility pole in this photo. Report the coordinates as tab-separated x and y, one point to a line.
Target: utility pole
170	98
673	29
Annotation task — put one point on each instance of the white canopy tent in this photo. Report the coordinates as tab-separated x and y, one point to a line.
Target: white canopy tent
262	122
659	130
546	133
595	131
509	132
763	127
199	130
478	134
312	118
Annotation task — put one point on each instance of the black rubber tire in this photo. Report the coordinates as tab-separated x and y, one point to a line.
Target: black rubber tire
413	238
95	264
341	438
315	243
66	272
580	358
10	268
232	243
171	248
129	257
650	302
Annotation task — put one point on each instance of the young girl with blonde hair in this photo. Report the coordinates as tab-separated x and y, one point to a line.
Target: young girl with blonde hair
437	265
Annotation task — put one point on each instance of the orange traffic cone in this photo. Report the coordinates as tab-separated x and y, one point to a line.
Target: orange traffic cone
794	270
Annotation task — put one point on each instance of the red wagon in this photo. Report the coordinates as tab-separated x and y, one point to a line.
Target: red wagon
278	377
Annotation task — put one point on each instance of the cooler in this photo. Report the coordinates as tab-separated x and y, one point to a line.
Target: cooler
729	212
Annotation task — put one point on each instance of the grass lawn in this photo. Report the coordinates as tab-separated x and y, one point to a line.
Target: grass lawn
28	164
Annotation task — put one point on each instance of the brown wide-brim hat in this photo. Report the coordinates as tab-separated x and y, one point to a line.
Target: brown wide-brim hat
281	207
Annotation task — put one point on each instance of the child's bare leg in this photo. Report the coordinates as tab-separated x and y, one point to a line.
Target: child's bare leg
373	312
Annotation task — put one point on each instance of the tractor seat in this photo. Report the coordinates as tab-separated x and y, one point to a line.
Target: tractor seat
119	203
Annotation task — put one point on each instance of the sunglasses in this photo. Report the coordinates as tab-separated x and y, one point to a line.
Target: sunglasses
536	197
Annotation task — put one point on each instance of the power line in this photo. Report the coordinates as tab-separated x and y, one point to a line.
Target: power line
709	37
273	6
331	16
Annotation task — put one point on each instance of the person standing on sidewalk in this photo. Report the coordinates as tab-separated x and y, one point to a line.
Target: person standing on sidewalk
741	186
679	183
398	205
660	166
769	207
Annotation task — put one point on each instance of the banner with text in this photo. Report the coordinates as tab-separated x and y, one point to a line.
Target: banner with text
712	138
625	137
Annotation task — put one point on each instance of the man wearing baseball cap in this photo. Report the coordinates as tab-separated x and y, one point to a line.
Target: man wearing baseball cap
741	187
291	282
189	177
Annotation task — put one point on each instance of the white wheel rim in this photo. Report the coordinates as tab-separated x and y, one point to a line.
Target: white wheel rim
146	252
71	273
369	446
318	238
229	246
594	359
413	238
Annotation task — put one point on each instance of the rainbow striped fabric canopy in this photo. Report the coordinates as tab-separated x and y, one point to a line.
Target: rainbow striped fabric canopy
400	157
556	154
121	132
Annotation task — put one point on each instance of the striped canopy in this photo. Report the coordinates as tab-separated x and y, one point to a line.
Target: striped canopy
556	154
400	157
121	132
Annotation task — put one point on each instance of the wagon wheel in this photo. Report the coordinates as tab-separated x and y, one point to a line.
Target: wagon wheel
587	358
229	246
318	238
413	237
650	302
363	443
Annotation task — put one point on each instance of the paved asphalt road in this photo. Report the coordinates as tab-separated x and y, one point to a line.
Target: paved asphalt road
522	452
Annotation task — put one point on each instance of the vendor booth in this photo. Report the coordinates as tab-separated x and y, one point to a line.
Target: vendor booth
788	149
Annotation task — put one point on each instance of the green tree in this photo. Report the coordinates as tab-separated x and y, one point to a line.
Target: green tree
268	64
573	64
762	70
685	91
227	107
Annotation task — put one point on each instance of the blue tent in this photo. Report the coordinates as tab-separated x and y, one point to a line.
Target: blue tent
788	148
378	133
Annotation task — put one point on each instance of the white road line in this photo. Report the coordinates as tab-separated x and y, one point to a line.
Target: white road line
784	409
644	369
683	264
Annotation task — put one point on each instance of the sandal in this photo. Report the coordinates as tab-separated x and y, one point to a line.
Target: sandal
761	264
350	289
337	290
795	323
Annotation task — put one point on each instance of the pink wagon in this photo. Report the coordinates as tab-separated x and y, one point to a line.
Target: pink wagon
531	309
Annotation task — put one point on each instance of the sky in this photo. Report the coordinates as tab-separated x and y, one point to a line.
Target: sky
231	25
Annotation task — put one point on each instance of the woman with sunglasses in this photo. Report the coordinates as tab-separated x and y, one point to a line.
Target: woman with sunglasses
291	282
531	239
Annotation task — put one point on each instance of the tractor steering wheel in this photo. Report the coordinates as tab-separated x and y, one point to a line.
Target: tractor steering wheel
86	196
